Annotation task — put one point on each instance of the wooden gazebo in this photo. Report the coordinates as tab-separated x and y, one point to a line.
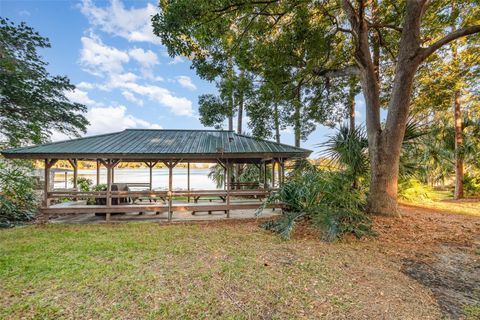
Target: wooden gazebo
170	147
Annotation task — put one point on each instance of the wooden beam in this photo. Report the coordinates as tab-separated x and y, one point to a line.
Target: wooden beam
273	173
229	186
282	170
46	187
109	190
98	171
170	165
188	181
265	175
110	164
74	164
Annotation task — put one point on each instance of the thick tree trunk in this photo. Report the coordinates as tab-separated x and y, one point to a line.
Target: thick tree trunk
297	122
352	114
276	123
297	115
238	166
240	114
458	146
384	145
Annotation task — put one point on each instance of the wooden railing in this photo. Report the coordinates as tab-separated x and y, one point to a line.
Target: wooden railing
167	205
148	193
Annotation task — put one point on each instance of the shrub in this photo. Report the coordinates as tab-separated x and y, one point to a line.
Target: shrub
471	185
326	199
414	190
84	184
18	201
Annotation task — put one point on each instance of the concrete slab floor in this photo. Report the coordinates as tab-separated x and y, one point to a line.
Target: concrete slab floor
181	216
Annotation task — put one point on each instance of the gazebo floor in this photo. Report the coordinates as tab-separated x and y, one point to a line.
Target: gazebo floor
180	216
79	207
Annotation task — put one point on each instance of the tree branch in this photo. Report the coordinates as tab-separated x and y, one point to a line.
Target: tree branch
336	73
425	52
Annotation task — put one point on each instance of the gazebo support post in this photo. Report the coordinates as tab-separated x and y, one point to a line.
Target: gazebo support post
188	181
98	172
46	188
281	177
109	190
150	166
109	164
229	185
170	165
265	186
273	173
74	164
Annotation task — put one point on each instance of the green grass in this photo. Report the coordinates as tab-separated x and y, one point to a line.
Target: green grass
227	271
443	201
472	312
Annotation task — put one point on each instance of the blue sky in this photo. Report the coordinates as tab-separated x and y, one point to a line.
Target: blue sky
121	70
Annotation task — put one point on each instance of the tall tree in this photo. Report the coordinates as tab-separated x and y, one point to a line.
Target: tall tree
407	33
32	102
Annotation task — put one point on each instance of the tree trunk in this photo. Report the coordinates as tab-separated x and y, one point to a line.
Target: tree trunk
458	194
276	122
240	114
238	166
458	147
352	115
297	121
384	145
230	123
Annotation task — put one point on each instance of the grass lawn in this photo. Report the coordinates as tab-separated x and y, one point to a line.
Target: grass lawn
443	201
227	270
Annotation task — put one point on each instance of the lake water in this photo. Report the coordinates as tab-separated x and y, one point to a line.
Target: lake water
198	178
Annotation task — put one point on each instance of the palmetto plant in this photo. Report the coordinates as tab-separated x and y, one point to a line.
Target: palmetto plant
348	150
249	173
325	198
217	174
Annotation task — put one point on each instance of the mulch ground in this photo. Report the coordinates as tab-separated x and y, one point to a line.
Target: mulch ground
438	249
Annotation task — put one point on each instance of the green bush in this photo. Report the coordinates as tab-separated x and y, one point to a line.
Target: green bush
325	198
414	190
471	185
18	201
84	184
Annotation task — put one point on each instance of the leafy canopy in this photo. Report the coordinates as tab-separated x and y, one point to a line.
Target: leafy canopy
32	102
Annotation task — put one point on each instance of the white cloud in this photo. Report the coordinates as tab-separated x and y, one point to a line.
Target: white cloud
111	63
111	119
133	24
98	58
177	105
147	59
107	120
85	85
118	80
131	97
186	82
80	96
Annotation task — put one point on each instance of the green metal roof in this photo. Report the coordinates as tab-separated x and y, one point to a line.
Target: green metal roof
161	144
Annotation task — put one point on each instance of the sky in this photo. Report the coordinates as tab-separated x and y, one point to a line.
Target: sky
121	70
